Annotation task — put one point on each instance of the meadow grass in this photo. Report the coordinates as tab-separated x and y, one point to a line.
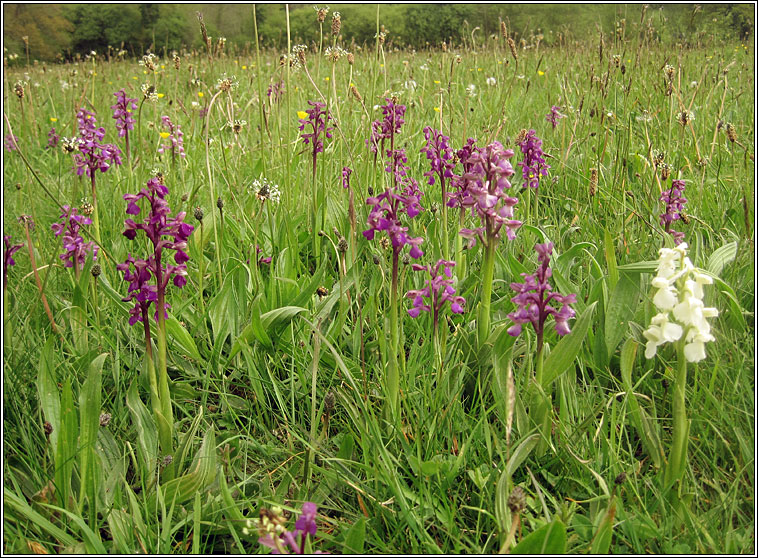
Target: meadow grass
276	370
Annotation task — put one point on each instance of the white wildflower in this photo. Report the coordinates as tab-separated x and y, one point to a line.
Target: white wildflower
265	190
679	296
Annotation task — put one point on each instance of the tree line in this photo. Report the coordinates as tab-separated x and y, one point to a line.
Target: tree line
60	32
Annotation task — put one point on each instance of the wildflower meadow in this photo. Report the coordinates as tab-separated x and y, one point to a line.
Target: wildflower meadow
489	296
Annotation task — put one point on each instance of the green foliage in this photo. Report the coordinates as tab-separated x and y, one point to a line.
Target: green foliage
276	369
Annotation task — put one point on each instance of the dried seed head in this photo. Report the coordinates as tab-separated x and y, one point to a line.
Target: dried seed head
731	132
659	157
199	213
685	218
512	46
227	83
185	197
620	479
350	58
503	30
220	203
521	137
665	171
517	500
593	181
299	51
48	428
105	419
329	400
322	292
385	243
685	117
70	145
444	46
177	60
87	208
342	245
321	13
669	71
18	89
96	270
375	259
406	259
336	23
166	461
26	221
356	94
617	60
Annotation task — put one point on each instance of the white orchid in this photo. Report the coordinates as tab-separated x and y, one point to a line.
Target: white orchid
661	331
679	296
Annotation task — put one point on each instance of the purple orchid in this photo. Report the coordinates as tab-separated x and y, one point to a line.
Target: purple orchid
52	139
76	249
534	297
385	216
533	166
8	261
388	206
122	113
674	200
346	172
386	128
305	526
275	91
140	289
175	138
554	115
93	155
482	187
11	143
317	124
437	290
440	154
156	226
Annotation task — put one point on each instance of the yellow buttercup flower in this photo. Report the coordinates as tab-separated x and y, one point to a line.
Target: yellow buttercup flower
437	81
302	114
244	67
161	95
53	119
164	135
540	73
436	109
199	93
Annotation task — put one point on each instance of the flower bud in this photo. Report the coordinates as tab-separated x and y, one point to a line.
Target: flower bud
105	419
199	213
517	500
96	270
336	23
